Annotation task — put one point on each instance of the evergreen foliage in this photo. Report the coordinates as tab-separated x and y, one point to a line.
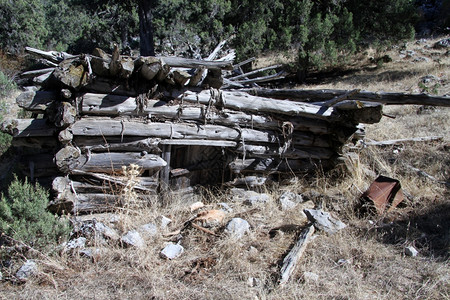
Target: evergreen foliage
24	216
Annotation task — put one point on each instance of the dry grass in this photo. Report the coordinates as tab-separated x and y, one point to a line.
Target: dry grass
364	261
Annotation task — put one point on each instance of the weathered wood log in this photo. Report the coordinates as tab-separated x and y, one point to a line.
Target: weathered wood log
292	259
118	144
100	62
28	128
195	63
35	73
105	86
279	152
279	75
254	72
246	102
277	165
181	77
65	114
53	56
323	95
36	101
42	79
107	127
403	141
206	143
70	160
360	111
149	66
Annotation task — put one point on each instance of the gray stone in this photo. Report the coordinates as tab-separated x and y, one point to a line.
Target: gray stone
237	227
249	197
106	231
289	200
411	251
429	79
148	229
92	253
134	239
324	221
225	207
172	251
444	43
164	222
78	243
29	268
421	59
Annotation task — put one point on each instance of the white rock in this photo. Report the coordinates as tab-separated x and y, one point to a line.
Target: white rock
106	231
28	269
249	197
196	206
411	251
237	227
76	243
93	253
324	221
172	251
164	222
289	200
225	207
133	238
148	229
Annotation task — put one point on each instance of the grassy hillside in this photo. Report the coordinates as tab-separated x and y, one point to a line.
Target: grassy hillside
366	260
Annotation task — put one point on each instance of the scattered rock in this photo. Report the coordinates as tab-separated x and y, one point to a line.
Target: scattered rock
421	59
249	197
237	227
106	231
410	53
148	229
164	221
134	239
429	79
196	206
324	221
289	200
172	251
411	251
78	243
28	269
252	282
225	207
444	43
210	218
310	276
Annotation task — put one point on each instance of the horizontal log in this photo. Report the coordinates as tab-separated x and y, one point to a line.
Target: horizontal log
28	128
360	111
254	72
403	141
70	160
266	78
246	102
42	79
107	127
118	144
206	143
36	101
195	63
277	165
279	152
381	97
35	73
53	56
107	86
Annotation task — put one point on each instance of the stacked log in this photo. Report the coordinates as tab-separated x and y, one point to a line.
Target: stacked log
96	114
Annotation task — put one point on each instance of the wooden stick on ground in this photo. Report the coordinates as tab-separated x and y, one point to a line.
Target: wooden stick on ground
291	260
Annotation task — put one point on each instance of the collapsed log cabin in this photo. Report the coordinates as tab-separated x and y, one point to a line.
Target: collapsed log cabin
95	115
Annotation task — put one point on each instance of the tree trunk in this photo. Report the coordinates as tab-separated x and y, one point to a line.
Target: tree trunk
146	28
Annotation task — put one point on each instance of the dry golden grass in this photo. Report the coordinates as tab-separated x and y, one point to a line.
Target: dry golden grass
364	261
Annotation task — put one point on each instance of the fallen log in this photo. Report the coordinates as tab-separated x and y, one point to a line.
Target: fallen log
258	151
380	97
53	56
277	165
292	259
35	73
234	78
403	141
70	160
196	63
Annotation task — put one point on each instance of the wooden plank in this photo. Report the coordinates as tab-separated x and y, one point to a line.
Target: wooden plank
196	63
291	260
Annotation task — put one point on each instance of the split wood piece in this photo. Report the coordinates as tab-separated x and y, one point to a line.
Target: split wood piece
28	128
108	127
277	165
291	261
100	62
71	73
426	175
196	63
149	67
36	73
36	101
404	141
235	78
246	102
70	160
53	56
296	153
381	97
65	115
279	75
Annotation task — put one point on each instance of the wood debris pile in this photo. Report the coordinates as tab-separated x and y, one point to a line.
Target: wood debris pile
95	115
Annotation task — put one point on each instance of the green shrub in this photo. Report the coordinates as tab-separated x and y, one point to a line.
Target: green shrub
24	216
6	85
